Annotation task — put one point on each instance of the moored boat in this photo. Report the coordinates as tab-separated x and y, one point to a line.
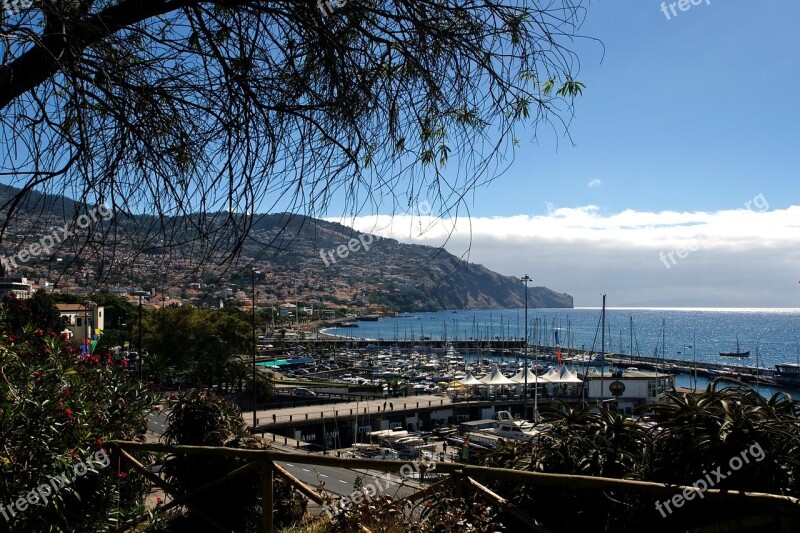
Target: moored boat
788	375
737	353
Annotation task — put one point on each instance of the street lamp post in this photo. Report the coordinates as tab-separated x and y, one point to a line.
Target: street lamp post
525	280
86	330
139	336
253	272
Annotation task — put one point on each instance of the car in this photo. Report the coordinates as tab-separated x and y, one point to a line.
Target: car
302	391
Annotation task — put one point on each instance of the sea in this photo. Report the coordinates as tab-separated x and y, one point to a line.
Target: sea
689	334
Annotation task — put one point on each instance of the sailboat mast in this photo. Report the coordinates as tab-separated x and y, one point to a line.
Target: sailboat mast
602	349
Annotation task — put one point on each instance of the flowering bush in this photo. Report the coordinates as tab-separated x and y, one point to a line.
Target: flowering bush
57	409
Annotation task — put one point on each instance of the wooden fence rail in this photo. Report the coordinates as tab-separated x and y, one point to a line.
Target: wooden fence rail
265	459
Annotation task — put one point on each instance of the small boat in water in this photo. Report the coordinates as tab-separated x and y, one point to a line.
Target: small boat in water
737	353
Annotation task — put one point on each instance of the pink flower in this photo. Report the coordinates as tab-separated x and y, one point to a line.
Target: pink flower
123	475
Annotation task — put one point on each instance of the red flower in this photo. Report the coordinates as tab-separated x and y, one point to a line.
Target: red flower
37	373
99	442
73	454
11	339
124	363
69	414
159	501
40	332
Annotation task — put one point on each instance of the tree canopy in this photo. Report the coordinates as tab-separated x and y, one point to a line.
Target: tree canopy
176	108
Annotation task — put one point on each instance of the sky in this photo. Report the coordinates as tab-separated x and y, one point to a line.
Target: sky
685	142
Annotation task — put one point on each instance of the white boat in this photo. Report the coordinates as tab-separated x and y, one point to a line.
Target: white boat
508	427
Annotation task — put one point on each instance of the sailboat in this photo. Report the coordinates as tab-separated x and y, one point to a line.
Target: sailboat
737	353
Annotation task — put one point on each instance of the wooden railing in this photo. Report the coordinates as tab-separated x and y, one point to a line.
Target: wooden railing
788	508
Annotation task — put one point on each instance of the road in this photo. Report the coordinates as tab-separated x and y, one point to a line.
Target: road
339	481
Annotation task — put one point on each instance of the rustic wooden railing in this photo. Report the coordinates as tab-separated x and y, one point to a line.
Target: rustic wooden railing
466	475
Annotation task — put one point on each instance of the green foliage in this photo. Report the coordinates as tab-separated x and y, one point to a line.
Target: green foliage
695	434
38	311
202	344
442	513
202	418
57	411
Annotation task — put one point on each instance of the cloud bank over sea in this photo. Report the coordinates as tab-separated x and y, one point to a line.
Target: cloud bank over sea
746	257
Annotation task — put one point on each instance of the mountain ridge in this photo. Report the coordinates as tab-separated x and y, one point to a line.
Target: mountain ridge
299	258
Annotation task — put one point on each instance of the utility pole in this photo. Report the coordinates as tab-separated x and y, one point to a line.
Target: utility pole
139	340
253	273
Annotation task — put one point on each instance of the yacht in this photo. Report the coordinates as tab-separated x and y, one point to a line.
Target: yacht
508	427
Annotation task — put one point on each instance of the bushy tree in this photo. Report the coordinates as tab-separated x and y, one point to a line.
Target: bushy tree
694	435
201	344
200	113
202	418
57	412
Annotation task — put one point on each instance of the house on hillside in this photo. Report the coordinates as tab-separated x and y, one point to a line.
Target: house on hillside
82	319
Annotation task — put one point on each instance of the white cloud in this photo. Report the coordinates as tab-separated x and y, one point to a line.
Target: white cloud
594	183
738	257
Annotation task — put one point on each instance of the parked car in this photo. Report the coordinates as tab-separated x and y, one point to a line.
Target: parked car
302	391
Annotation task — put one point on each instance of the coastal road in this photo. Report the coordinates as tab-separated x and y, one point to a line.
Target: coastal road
339	481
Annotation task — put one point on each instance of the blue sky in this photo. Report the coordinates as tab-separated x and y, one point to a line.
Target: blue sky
693	113
681	189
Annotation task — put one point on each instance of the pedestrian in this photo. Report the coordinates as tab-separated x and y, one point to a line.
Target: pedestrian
391	407
444	446
384	406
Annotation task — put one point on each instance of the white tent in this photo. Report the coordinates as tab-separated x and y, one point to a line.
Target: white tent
519	377
565	376
551	375
470	380
495	377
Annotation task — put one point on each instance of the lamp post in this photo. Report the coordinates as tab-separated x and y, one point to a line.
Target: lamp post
525	280
139	339
685	346
253	272
86	330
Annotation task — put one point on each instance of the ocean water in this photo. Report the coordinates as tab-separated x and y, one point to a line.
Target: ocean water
688	334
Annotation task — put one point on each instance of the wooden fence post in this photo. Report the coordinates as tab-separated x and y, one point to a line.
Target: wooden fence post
267	497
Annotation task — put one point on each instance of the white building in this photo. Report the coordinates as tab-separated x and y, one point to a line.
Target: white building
82	319
629	388
19	287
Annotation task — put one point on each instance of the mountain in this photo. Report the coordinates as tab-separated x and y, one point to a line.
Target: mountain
405	277
299	259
